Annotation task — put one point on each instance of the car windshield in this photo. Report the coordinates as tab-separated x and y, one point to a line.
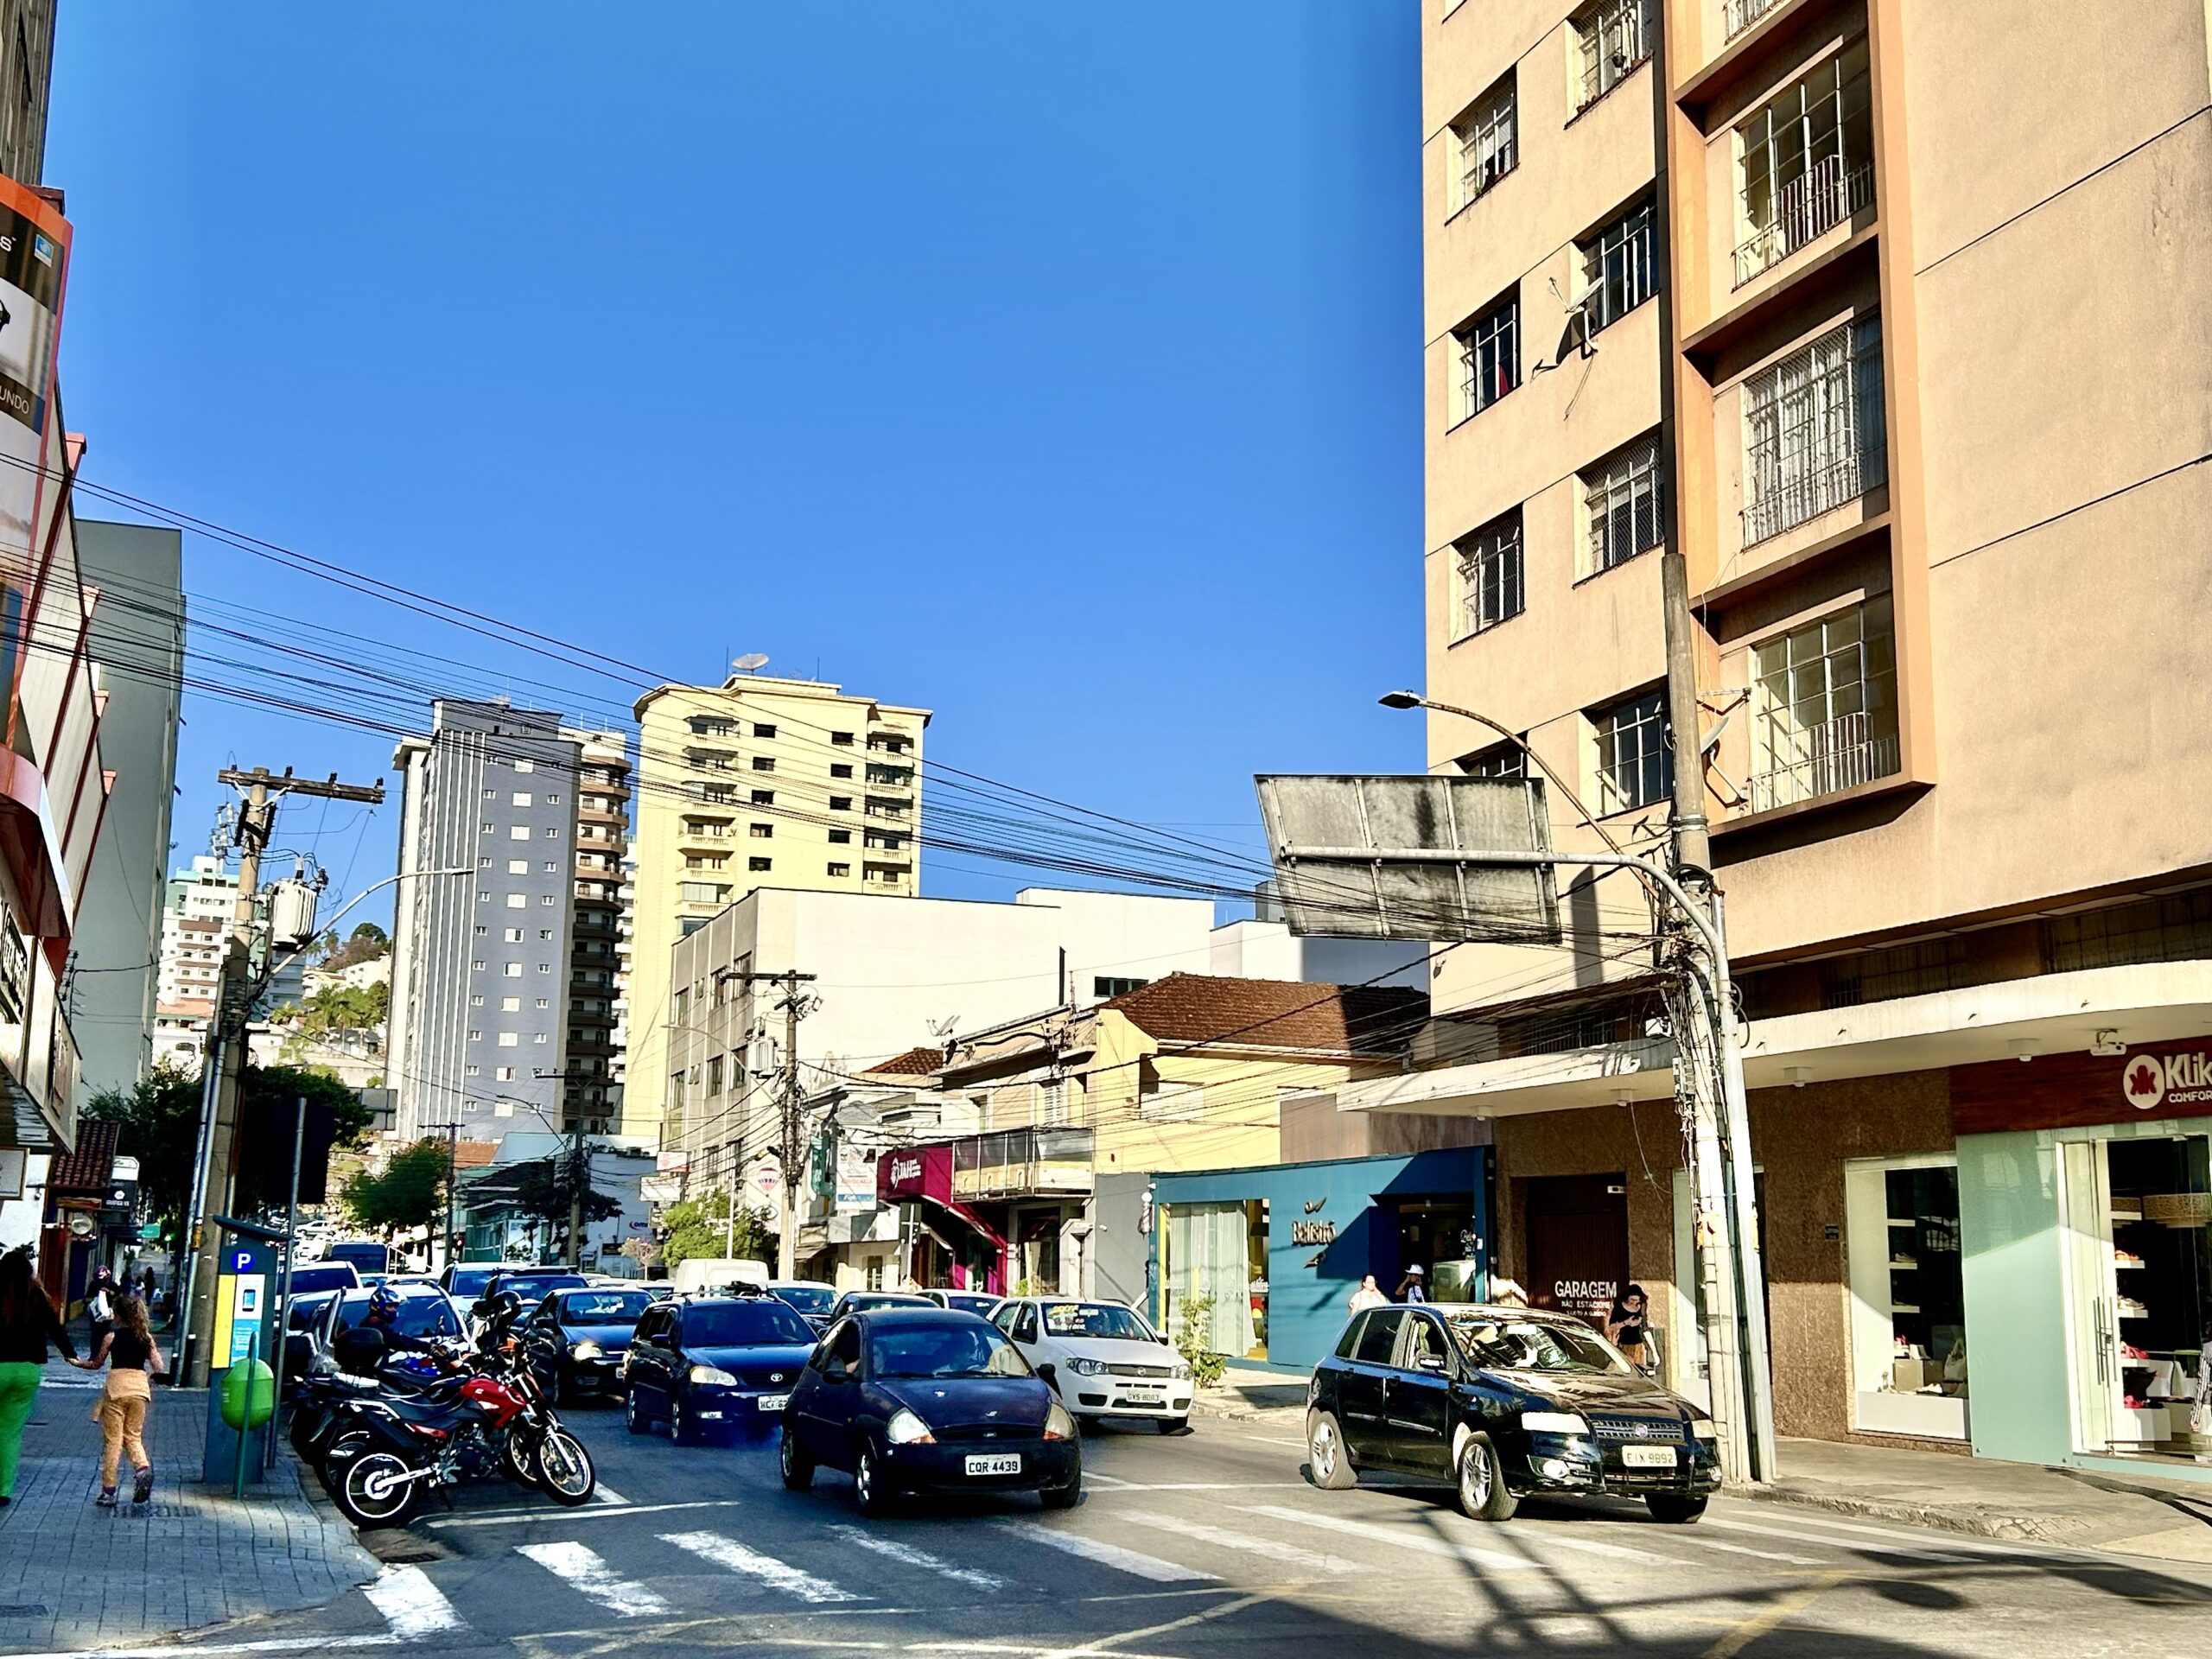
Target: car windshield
862	1302
533	1286
417	1316
746	1324
1494	1344
604	1306
338	1277
807	1299
947	1350
968	1304
1108	1321
470	1281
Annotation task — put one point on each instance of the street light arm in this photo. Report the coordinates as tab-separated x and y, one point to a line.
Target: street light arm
277	963
1414	700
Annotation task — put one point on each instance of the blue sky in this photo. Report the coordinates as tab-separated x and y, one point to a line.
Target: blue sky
1055	368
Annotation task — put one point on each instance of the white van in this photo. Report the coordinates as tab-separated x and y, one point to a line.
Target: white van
704	1276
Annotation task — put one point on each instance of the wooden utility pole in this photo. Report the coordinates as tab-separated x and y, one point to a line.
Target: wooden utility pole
264	791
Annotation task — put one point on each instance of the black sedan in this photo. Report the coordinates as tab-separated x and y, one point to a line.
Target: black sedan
1506	1404
576	1340
702	1362
912	1399
867	1301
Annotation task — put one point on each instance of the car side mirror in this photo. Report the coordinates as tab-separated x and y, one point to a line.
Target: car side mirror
1430	1362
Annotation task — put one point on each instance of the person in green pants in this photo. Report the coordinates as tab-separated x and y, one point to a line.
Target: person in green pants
28	1324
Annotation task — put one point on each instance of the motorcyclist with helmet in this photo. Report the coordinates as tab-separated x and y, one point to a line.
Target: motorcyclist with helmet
363	1349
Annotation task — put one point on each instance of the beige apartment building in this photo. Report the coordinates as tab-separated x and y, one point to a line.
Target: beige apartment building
1889	314
758	782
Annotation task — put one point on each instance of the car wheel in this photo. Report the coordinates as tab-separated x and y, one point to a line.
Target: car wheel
633	1419
1174	1425
798	1467
1482	1490
1674	1509
869	1491
1327	1458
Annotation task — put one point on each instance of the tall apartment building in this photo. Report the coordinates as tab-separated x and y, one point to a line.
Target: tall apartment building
756	783
592	1090
481	963
1886	320
26	81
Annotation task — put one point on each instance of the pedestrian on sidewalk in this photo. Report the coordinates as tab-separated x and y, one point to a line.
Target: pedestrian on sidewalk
131	1357
29	1322
1626	1325
100	1309
1414	1287
1369	1294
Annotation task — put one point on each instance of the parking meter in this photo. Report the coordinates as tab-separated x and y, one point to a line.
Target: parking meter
241	1391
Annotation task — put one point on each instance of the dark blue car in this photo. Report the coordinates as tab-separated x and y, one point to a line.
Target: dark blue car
924	1399
708	1362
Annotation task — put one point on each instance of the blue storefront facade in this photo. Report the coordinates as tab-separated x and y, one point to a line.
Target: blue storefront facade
1279	1248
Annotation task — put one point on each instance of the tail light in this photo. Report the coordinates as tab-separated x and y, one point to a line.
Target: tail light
428	1432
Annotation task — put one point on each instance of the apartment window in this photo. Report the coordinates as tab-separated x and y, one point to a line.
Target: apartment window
1612	40
698	892
481	930
553	834
475	1036
517	901
759	730
1636	762
512	935
545	967
476	1000
484	827
1487	142
538	1037
841	769
1812	430
545	1002
512	969
477	966
522	797
1824	708
1620	267
491	794
1490	356
1490	574
517	866
841	802
552	800
759	831
552	869
1805	163
707	726
715	1074
545	932
763	763
714	794
842	739
758	863
548	898
841	837
1624	501
1109	985
511	1005
517	832
510	1040
483	895
525	765
841	869
504	1074
1502	762
470	1071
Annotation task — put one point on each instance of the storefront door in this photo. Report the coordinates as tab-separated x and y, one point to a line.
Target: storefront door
2093	1338
1577	1238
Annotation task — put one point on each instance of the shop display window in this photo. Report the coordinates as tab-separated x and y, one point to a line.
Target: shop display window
2161	1275
1908	1327
1219	1251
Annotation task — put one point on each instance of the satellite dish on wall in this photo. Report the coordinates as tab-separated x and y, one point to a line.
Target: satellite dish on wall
751	660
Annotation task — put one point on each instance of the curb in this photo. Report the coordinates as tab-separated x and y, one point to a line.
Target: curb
338	1532
2014	1528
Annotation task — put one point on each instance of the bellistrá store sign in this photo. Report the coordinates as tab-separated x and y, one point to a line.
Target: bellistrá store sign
2150	1081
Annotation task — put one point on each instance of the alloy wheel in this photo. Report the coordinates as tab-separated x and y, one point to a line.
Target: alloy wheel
1324	1450
1474	1478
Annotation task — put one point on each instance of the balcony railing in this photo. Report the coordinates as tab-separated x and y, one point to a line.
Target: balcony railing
1838	754
1018	1161
1806	495
1808	207
1740	15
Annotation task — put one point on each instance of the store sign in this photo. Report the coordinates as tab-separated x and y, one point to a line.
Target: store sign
920	1173
2081	1091
1313	1232
2148	1081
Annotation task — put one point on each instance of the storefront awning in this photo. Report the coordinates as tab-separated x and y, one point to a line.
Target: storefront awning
2052	1013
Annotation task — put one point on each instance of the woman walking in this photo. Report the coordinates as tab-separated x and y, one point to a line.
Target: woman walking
129	1352
28	1324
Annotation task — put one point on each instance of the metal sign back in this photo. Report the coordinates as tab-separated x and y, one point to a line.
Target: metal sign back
1358	857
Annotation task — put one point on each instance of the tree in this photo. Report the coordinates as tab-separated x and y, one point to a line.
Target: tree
159	1120
366	943
412	1192
341	1008
701	1229
268	1108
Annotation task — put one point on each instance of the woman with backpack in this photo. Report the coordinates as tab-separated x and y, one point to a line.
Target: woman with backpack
130	1355
28	1322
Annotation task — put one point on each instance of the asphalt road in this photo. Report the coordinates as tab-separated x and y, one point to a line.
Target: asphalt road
1211	1544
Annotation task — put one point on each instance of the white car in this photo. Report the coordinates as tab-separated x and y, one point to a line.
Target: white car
1100	1358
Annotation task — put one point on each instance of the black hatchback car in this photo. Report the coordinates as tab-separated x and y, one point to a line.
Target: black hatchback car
1505	1404
576	1339
700	1362
914	1399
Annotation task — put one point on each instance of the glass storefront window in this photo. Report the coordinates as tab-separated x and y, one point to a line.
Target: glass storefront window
1908	1297
1219	1251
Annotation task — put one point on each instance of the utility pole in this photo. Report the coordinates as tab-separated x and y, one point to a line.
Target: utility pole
453	1161
794	1008
233	1008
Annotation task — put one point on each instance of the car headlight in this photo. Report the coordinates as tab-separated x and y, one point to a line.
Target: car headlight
1088	1367
1554	1423
713	1377
906	1429
1704	1428
1059	1426
1182	1372
585	1349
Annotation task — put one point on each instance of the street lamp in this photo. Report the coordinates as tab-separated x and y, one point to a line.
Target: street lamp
1414	700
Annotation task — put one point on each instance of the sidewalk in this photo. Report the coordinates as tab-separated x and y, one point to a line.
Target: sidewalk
2143	1516
72	1576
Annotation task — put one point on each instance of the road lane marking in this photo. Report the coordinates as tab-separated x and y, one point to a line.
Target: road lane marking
777	1575
1763	1554
172	1649
976	1578
1113	1555
1752	1629
1807	1534
602	1493
588	1512
591	1576
1591	1546
412	1606
1399	1536
1290	1554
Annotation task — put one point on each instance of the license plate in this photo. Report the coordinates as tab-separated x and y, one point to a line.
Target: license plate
1648	1457
774	1401
1144	1396
1009	1464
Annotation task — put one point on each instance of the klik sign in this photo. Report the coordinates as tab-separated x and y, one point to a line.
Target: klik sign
2078	1091
2150	1081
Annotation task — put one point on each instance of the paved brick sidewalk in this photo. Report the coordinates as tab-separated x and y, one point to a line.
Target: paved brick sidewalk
73	1576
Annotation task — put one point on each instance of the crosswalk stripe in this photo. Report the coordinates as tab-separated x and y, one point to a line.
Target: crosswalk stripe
1113	1555
412	1606
602	1493
1565	1540
588	1572
1807	1535
1399	1536
777	1575
1290	1554
1745	1549
861	1537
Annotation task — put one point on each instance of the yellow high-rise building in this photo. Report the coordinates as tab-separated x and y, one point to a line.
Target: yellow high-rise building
756	783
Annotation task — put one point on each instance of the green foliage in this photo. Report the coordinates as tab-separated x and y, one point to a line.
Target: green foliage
367	943
1206	1366
412	1192
546	1189
160	1119
701	1229
339	1008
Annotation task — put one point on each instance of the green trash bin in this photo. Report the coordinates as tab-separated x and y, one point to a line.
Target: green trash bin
249	1394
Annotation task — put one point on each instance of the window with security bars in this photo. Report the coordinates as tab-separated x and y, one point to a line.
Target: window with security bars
2173	927
1490	356
1488	142
1812	430
1806	163
1635	761
1623	502
1824	706
1490	574
1620	266
1505	762
1611	38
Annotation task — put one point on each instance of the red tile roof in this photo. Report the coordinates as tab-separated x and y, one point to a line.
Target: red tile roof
914	1062
91	1166
1274	1014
